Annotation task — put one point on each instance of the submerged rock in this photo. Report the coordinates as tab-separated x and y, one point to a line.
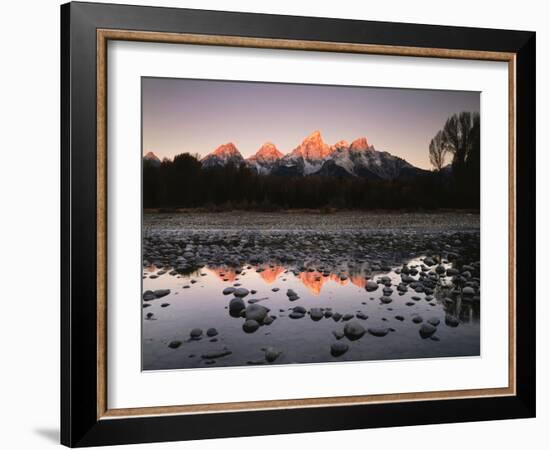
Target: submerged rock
196	333
216	354
174	344
426	330
271	354
250	326
236	305
378	331
338	348
256	312
371	286
240	292
316	314
354	330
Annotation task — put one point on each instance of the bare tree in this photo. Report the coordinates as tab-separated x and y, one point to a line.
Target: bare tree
461	138
438	151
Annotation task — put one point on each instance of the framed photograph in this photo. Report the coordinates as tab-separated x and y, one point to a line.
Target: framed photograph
276	224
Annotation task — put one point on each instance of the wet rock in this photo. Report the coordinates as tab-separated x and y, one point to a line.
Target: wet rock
361	315
338	334
299	309
271	354
268	320
354	330
216	354
211	332
378	331
316	314
241	292
236	305
164	305
400	318
468	291
426	330
385	300
387	291
433	321
275	289
451	321
371	286
417	319
347	317
228	290
338	348
256	312
174	344
429	262
296	315
250	326
149	295
149	315
196	333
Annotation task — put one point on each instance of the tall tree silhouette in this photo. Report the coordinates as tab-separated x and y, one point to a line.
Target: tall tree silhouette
438	150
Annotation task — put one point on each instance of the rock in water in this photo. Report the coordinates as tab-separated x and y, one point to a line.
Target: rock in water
196	333
271	354
338	334
371	286
174	344
236	305
216	354
256	312
426	330
433	321
240	292
385	300
354	330
338	348
316	314
451	321
211	332
229	290
149	295
162	293
250	326
417	319
468	291
378	331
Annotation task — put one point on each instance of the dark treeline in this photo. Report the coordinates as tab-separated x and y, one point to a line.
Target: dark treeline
183	183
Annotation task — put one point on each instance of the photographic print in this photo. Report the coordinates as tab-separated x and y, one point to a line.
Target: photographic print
296	223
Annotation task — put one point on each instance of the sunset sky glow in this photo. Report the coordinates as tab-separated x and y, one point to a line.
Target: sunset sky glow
196	116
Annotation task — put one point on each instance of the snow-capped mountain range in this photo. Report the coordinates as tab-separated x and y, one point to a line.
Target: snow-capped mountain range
314	157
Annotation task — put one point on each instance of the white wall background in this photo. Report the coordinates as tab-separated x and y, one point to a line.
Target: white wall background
29	236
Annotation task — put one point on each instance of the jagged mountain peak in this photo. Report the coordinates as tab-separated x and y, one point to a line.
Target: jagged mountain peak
360	144
224	154
228	149
151	156
312	147
267	152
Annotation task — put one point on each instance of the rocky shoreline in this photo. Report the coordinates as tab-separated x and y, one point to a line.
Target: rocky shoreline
373	252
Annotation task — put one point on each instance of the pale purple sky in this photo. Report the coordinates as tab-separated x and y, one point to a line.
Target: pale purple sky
196	116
